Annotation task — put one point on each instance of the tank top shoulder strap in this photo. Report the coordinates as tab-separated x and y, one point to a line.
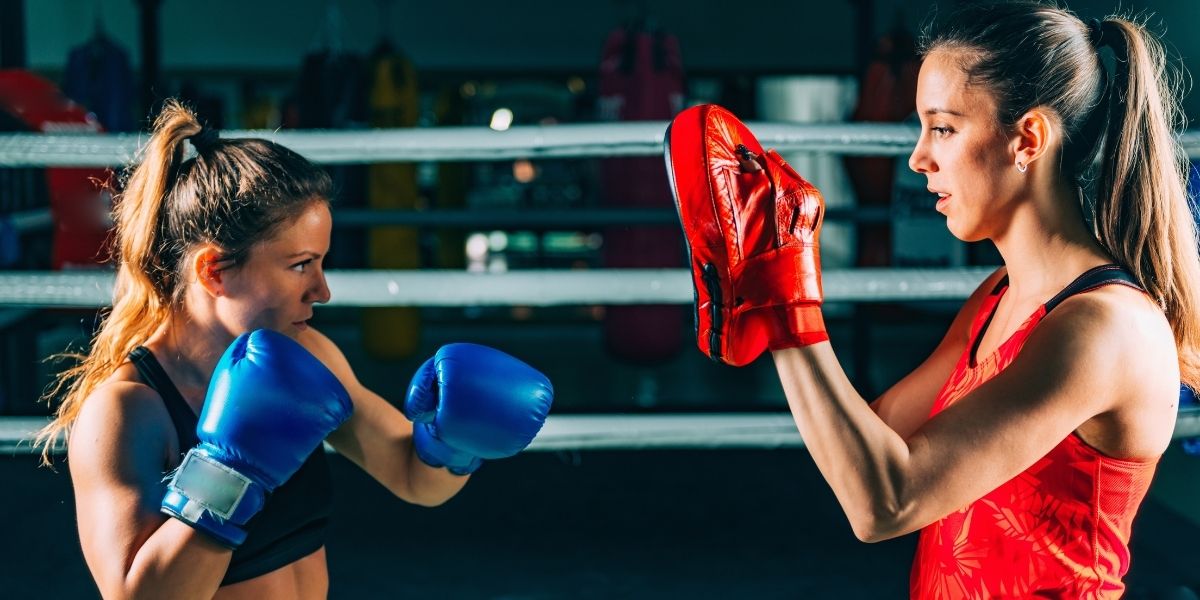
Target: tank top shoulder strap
987	310
156	377
1094	278
1000	285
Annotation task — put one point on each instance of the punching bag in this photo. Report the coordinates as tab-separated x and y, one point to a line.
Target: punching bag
887	94
453	182
393	332
79	205
99	76
641	79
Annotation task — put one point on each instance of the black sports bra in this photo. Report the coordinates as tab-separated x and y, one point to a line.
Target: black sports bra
293	522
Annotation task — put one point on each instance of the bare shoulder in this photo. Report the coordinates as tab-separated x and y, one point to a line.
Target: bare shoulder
1118	344
120	419
1120	322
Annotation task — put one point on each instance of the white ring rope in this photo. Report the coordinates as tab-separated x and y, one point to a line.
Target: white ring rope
700	431
90	289
29	220
580	140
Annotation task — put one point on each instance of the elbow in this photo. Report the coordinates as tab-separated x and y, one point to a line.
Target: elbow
425	496
127	589
871	531
880	523
109	593
864	531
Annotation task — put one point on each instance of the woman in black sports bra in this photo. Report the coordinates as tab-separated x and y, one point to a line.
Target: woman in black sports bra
210	248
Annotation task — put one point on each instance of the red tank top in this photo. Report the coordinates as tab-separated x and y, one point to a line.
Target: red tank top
1058	530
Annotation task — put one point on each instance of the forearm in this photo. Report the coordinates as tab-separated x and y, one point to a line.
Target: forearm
176	561
431	486
864	461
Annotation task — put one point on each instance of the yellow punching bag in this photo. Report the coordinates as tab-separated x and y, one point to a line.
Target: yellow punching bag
392	333
450	109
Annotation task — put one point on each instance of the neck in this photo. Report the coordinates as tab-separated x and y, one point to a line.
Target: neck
1047	243
191	344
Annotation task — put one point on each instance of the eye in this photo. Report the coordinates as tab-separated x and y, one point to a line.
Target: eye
941	131
301	266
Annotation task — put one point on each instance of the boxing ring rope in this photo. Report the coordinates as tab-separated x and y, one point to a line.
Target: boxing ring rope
529	288
87	289
28	220
632	432
584	140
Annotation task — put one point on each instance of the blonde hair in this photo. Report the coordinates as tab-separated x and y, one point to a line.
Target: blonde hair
233	194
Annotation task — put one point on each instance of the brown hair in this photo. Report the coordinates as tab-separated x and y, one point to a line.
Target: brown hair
1030	54
233	194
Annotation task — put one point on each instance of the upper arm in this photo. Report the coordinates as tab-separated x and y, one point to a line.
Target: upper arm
1075	365
377	437
116	455
906	405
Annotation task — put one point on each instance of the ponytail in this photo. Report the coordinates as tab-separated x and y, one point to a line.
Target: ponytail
1141	210
143	290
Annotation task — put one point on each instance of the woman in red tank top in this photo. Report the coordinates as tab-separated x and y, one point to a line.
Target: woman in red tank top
1023	446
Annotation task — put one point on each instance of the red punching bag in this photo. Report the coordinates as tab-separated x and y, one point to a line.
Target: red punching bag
79	205
641	79
887	94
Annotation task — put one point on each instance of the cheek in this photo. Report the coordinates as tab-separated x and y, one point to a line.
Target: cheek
260	290
982	172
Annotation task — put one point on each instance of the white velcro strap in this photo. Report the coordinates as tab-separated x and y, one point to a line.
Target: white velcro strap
208	485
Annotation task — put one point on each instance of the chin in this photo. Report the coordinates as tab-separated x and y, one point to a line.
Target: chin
965	234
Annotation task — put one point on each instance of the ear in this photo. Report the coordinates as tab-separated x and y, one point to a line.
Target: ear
207	271
1033	137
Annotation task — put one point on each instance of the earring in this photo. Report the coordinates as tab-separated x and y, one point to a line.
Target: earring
1021	167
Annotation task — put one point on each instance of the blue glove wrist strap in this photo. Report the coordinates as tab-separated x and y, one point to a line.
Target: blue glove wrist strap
436	453
213	497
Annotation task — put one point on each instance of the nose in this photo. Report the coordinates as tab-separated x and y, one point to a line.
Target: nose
319	293
920	160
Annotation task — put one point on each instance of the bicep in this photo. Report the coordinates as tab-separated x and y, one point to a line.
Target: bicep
1063	377
116	456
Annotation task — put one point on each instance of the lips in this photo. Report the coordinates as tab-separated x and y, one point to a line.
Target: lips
942	202
943	198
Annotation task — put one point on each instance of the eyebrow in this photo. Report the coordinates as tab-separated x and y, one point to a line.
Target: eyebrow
303	253
944	111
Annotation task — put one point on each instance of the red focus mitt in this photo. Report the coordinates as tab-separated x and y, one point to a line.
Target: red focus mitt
751	224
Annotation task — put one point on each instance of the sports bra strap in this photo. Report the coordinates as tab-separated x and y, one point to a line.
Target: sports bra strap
156	377
1092	279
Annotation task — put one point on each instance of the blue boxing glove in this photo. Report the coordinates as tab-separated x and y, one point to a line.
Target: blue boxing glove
469	403
269	405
